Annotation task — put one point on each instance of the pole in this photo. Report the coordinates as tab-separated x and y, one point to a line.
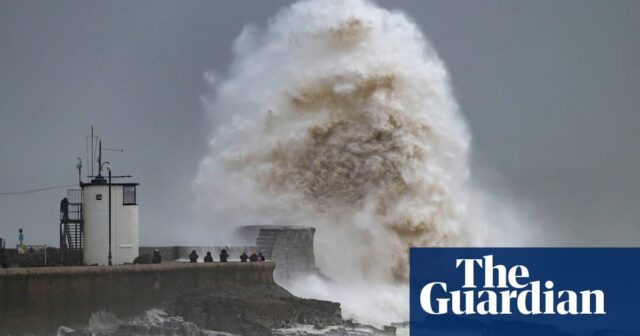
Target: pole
100	158
92	151
79	166
110	216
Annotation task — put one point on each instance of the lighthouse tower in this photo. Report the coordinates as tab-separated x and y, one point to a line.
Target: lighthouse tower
99	221
110	218
118	239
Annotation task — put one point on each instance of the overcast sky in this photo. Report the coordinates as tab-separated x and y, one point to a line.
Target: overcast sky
550	89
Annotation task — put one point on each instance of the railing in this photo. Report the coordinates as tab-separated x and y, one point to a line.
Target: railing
71	229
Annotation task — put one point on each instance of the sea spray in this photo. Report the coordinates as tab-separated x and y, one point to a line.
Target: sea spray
339	115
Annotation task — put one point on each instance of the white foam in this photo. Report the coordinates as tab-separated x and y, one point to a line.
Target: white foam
339	115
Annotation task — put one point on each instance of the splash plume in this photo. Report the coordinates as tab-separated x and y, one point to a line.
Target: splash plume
339	115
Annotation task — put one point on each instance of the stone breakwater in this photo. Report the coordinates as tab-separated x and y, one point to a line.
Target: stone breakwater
290	247
38	300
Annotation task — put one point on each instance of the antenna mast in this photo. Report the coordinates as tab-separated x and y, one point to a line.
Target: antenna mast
79	166
100	158
92	151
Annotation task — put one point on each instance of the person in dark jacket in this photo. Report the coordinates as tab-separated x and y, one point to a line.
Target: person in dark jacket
3	259
64	208
223	256
193	257
156	258
244	257
261	257
254	257
208	257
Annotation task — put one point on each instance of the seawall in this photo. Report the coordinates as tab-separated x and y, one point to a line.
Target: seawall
38	300
182	252
290	247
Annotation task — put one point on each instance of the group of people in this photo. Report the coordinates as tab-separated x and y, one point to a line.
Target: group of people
224	256
253	258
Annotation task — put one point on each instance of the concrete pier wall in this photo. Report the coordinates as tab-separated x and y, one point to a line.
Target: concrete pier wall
38	300
182	252
290	247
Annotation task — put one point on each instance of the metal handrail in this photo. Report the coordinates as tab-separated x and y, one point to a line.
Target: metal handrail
72	231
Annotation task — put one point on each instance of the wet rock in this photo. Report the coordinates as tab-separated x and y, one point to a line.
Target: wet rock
153	322
389	330
252	310
65	331
350	323
342	330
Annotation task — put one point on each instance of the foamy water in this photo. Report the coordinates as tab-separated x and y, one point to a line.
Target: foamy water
339	115
152	322
155	322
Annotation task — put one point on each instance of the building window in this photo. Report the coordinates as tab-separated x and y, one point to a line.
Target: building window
98	197
129	195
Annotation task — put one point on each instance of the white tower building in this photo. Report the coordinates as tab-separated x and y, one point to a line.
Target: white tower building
123	245
99	223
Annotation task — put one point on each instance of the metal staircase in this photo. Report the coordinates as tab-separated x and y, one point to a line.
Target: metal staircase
71	230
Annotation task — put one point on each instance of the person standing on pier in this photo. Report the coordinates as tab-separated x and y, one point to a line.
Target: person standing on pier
156	258
223	256
193	257
21	242
3	257
64	208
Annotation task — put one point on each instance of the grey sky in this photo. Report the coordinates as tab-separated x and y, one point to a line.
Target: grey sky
551	91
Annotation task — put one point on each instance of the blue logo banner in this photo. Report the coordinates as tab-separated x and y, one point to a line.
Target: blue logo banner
525	291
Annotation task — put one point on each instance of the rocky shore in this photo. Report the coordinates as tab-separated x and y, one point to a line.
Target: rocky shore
251	310
261	310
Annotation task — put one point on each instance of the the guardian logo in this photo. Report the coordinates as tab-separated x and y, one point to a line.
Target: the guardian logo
492	289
